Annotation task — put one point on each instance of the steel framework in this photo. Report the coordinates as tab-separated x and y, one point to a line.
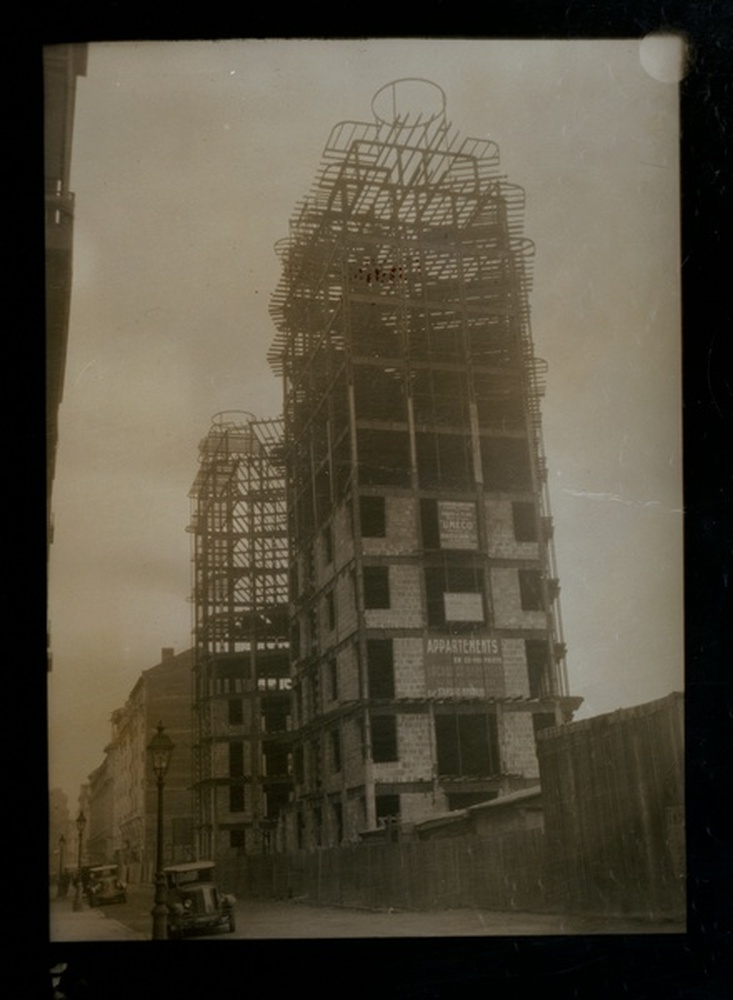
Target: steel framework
407	358
241	686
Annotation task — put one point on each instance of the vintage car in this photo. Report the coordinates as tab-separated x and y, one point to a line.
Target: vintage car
104	885
195	903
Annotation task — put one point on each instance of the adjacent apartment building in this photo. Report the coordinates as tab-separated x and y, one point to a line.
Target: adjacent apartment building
425	635
122	792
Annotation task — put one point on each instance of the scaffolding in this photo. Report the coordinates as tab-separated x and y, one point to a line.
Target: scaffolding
239	561
405	348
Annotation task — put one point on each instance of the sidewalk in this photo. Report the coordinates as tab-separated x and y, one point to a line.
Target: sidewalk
87	924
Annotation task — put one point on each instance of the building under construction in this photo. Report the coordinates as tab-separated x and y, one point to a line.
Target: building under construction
241	686
426	640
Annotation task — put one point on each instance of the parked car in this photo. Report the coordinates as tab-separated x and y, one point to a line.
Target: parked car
104	886
195	903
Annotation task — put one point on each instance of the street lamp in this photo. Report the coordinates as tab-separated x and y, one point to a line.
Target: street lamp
160	748
81	822
62	880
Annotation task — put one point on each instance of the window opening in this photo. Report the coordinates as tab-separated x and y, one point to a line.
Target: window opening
236	712
524	517
236	759
373	517
530	589
467	745
380	666
376	586
384	738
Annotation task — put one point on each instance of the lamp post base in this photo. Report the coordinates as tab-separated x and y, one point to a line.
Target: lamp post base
159	912
160	922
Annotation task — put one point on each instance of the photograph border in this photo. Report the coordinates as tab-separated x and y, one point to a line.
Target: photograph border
643	965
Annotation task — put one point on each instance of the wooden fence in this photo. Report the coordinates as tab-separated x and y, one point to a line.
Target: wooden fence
503	873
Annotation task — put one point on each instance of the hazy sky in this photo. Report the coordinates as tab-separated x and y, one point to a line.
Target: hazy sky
188	161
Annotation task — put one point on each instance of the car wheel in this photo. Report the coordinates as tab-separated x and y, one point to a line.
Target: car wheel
232	924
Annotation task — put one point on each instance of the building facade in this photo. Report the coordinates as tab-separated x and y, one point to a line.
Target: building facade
62	66
59	833
426	641
100	829
122	791
241	692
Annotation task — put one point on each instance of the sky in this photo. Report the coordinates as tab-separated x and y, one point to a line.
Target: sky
188	160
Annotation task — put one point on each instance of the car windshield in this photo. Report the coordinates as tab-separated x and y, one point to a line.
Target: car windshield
189	875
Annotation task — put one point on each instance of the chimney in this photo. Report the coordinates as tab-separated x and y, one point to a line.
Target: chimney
167	653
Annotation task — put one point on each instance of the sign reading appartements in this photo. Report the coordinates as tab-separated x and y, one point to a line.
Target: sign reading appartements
464	666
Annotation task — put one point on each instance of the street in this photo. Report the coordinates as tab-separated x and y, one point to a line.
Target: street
276	919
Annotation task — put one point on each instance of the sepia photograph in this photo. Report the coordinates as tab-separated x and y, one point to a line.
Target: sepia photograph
364	488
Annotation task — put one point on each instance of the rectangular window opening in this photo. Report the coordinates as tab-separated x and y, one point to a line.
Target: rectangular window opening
236	798
530	590
236	759
524	517
454	594
236	712
380	667
384	738
467	745
387	807
373	517
538	667
376	586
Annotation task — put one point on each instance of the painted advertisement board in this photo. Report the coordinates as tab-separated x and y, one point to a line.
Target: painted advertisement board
464	666
457	524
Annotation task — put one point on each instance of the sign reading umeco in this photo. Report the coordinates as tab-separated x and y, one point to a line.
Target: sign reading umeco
457	525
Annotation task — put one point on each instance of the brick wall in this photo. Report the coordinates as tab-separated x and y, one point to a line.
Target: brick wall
342	533
346	610
516	679
507	601
415	747
352	748
517	744
500	530
409	662
401	535
406	603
